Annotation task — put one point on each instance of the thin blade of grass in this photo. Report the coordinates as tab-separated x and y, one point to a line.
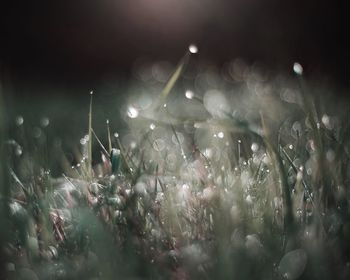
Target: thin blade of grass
124	156
289	225
109	138
175	76
100	143
89	159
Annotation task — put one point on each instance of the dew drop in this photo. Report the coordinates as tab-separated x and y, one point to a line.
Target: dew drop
82	141
18	151
19	120
133	144
299	175
221	134
193	49
249	199
189	94
254	147
297	68
44	122
132	112
325	120
208	153
216	103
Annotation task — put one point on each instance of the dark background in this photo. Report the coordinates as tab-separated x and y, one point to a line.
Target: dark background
52	53
75	44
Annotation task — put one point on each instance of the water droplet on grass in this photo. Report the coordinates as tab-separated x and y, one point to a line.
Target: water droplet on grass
297	68
249	199
193	49
189	94
254	147
133	145
325	120
82	141
18	151
19	120
44	122
216	103
221	134
132	112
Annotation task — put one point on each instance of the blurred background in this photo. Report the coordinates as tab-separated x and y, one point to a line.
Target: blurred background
84	42
53	53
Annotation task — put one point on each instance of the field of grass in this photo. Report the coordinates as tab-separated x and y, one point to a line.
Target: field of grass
234	173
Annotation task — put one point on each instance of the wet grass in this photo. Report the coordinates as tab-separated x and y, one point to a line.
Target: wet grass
248	180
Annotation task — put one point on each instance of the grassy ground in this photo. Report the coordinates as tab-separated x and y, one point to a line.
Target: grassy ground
232	174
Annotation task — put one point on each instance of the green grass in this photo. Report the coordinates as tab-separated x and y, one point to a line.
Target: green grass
240	182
